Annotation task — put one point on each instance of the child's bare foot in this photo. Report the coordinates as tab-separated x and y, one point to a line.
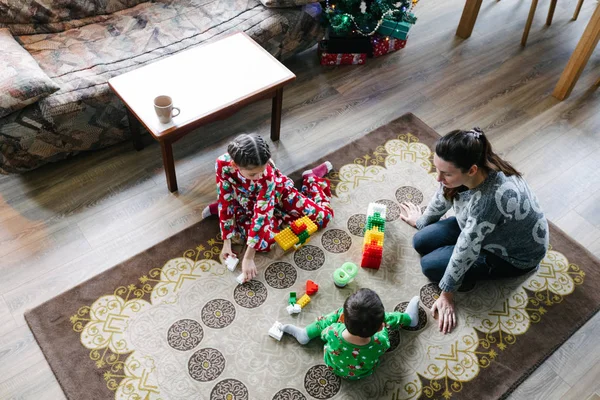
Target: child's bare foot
320	170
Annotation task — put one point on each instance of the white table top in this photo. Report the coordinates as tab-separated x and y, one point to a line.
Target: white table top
201	81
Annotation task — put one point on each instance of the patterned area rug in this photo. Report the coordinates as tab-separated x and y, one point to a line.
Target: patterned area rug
172	323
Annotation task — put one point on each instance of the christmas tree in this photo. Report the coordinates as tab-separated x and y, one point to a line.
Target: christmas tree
365	17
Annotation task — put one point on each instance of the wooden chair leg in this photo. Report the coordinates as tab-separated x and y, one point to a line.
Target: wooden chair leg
551	12
577	9
529	22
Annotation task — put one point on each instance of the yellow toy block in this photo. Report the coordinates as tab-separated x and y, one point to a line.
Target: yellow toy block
286	239
304	300
373	234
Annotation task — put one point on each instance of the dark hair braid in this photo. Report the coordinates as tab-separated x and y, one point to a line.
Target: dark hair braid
249	151
467	148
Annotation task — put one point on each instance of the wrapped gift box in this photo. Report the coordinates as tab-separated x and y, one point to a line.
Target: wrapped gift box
394	29
384	45
410	18
339	58
347	44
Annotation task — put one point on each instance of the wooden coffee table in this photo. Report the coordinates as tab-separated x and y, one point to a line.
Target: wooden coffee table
206	83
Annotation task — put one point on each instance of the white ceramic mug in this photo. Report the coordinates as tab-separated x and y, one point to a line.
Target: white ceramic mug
163	105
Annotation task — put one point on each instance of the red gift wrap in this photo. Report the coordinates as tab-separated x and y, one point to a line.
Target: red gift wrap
384	45
343	59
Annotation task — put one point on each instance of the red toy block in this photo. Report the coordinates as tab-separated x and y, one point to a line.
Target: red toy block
297	229
311	287
372	255
370	262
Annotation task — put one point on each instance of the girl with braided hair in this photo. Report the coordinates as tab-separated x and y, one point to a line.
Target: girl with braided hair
255	199
499	229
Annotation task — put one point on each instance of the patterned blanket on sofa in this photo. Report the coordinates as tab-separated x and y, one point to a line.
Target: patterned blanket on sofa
80	45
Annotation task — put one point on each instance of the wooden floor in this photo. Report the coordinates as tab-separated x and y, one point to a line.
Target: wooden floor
67	222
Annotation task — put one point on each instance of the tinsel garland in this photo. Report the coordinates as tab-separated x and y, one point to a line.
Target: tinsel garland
329	9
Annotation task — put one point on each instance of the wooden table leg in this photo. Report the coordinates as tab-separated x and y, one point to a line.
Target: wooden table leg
579	58
551	12
134	128
169	164
276	114
468	18
532	9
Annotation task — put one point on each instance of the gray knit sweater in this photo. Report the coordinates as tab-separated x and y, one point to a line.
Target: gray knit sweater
501	216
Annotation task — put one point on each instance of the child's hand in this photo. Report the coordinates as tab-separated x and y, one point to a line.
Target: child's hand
226	252
249	269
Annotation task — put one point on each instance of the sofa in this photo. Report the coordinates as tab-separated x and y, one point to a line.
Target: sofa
66	106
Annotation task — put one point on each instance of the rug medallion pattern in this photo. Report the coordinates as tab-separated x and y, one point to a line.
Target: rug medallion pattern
187	330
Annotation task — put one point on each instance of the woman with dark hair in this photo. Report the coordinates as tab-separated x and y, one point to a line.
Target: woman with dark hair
499	229
255	199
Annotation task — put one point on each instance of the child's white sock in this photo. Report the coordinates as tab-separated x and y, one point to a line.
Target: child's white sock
412	309
299	333
211	209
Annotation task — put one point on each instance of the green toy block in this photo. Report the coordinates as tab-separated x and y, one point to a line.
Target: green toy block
377	221
292	300
302	236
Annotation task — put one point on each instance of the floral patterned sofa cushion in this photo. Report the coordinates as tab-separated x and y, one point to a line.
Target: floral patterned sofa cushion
36	14
22	82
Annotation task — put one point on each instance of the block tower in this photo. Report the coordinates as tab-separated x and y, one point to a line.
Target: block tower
374	233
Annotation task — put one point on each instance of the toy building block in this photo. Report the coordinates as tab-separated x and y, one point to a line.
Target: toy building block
275	331
292	299
297	228
231	262
297	234
293	309
240	279
377	208
372	255
375	221
345	274
304	300
370	262
311	287
286	239
311	227
373	235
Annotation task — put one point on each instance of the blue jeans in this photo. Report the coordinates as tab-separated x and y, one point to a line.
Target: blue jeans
435	243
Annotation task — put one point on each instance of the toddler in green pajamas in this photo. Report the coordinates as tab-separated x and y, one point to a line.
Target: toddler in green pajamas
357	334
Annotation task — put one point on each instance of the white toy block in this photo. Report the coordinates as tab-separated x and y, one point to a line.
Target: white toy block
293	309
275	332
376	207
231	262
240	279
